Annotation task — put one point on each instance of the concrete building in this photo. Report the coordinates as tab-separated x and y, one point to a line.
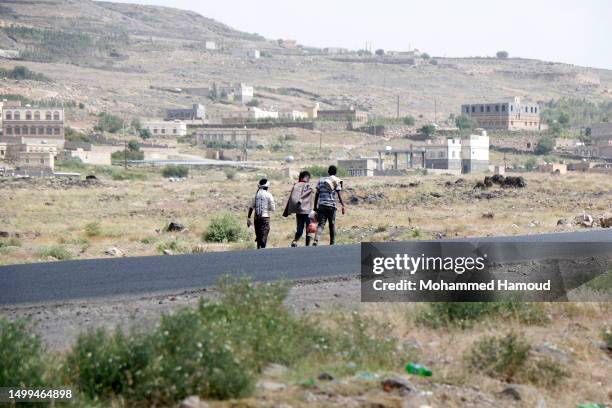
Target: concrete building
196	112
293	115
601	131
35	163
170	128
210	45
343	115
238	92
475	153
364	167
238	137
253	53
251	114
466	155
505	115
26	124
87	153
555	168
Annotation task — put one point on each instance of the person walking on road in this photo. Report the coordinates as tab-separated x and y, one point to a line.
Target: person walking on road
300	203
263	205
328	189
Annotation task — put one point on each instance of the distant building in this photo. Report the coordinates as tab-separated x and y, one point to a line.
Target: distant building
506	115
287	43
196	112
363	167
223	135
335	50
170	128
238	92
343	115
293	115
87	153
250	114
253	53
601	133
26	124
555	168
210	45
475	153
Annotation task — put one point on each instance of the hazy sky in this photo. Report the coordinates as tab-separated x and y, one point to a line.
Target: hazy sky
573	31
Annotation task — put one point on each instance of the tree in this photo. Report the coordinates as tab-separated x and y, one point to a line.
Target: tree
136	125
530	164
133	145
213	94
409	120
428	130
545	146
144	133
502	54
564	119
425	55
380	52
464	122
108	123
253	102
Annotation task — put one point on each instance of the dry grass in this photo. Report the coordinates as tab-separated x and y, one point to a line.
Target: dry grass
131	215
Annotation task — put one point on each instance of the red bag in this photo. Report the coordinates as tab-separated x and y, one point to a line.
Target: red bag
312	228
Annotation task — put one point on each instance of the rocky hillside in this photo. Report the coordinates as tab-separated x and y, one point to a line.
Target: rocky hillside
120	57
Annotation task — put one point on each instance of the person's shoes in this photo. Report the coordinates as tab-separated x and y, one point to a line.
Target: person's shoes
315	243
293	244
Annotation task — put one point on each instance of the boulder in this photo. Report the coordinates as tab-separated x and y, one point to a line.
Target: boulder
605	221
396	384
113	251
175	226
585	220
489	215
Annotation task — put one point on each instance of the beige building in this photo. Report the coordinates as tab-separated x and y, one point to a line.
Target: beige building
505	115
555	168
293	115
363	167
343	115
225	135
87	153
166	128
26	124
36	163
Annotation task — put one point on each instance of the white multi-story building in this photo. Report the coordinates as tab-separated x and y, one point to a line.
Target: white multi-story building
166	128
210	45
293	115
475	153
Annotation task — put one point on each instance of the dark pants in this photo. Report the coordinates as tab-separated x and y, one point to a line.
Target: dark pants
302	221
325	214
262	229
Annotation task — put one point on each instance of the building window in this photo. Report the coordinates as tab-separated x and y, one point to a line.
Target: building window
503	108
9	130
496	108
49	130
155	130
535	110
481	108
56	116
42	161
17	130
9	116
28	115
47	115
36	115
41	130
17	116
163	131
33	130
56	130
473	109
174	131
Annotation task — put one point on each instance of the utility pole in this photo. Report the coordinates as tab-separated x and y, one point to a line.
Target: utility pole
398	115
124	146
321	140
436	111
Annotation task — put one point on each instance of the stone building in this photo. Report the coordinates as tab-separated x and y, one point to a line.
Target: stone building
342	115
505	115
238	92
26	124
475	153
166	128
196	112
87	153
364	167
226	135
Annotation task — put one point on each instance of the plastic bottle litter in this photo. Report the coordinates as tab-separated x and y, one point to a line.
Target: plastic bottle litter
590	405
417	369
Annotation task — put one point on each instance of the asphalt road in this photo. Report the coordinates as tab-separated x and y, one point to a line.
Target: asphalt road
56	282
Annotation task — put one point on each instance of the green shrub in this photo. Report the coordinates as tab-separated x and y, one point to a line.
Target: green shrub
71	163
502	54
93	229
509	359
175	171
230	173
545	146
175	246
108	122
500	357
21	355
409	120
20	72
225	228
57	251
10	242
530	164
75	136
464	314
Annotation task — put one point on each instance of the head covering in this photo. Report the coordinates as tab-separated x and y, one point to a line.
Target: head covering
263	183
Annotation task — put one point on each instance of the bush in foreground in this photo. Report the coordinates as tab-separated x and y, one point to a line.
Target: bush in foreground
465	314
57	251
175	171
21	355
225	228
509	359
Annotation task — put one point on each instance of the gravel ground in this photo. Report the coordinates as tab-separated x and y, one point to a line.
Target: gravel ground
60	324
